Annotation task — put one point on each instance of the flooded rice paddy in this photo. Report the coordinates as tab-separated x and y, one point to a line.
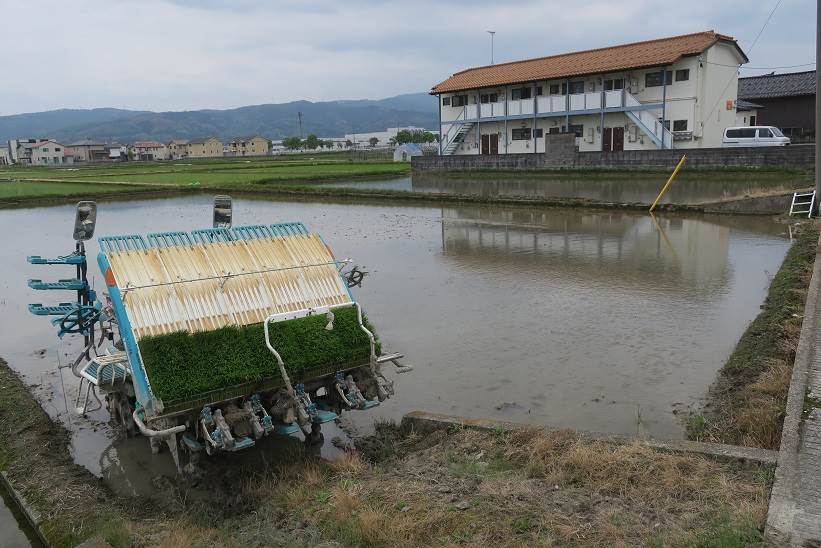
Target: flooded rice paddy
642	189
595	320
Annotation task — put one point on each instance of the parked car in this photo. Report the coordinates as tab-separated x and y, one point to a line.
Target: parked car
754	136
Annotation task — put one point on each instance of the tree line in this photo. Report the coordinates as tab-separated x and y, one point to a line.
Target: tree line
312	142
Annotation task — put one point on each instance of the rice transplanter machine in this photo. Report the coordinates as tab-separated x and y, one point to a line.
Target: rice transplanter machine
212	339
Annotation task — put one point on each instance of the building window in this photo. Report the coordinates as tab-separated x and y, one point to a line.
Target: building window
656	79
576	87
459	100
554	89
682	75
616	83
679	125
538	90
57	150
520	93
521	134
577	129
752	120
45	150
539	133
489	97
666	124
445	101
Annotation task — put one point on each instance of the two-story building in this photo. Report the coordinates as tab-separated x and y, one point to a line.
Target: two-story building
177	149
205	148
89	150
254	145
40	152
148	151
676	92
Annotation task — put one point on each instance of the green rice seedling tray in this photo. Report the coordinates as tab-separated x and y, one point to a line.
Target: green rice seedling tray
184	367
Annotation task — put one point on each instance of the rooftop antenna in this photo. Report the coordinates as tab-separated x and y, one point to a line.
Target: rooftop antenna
492	33
299	115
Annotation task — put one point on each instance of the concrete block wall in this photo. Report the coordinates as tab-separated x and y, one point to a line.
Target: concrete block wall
562	153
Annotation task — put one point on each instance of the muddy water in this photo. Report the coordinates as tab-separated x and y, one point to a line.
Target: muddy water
640	190
605	321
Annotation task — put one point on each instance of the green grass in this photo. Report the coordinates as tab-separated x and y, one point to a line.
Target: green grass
10	190
748	401
33	183
184	365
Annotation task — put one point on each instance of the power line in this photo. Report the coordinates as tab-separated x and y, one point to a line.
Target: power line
755	41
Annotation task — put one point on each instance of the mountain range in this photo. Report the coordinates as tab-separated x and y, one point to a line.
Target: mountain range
275	121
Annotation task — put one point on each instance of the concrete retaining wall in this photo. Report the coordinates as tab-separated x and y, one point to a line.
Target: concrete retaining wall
563	155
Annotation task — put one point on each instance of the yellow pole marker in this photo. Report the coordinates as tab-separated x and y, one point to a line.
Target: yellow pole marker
668	183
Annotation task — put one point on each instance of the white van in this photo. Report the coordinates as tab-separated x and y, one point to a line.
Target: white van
754	136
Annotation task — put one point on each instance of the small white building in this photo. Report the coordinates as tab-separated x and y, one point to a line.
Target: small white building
676	92
404	152
746	113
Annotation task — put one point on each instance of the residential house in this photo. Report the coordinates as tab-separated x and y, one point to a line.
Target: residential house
88	150
177	149
205	148
40	152
676	92
786	101
148	151
249	146
5	157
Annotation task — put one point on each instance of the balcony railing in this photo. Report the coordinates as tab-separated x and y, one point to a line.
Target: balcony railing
550	104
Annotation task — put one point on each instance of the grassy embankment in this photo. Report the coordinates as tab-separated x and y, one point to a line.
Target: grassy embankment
747	403
404	488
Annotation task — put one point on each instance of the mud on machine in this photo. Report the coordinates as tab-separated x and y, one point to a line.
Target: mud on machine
213	339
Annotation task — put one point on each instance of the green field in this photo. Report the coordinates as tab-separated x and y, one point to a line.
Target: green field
30	183
14	190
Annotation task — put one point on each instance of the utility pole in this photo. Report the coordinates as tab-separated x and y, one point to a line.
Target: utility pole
299	115
492	33
817	102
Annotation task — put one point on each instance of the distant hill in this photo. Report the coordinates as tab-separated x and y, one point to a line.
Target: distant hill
325	119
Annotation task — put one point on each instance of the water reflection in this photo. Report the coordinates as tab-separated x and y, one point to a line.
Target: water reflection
573	318
642	189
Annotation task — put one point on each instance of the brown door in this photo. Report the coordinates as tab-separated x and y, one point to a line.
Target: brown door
618	139
608	139
490	143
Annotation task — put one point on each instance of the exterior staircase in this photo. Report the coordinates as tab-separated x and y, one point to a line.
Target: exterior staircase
456	136
648	122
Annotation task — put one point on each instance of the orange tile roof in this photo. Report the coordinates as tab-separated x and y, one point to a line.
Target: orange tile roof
651	53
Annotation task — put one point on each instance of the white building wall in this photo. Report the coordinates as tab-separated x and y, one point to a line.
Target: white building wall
698	103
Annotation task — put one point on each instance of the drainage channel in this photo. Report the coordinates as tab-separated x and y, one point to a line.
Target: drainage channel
15	530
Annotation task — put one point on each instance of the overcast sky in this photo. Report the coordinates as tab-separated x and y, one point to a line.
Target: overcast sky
193	54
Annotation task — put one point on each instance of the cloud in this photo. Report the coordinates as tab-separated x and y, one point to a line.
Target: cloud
191	54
